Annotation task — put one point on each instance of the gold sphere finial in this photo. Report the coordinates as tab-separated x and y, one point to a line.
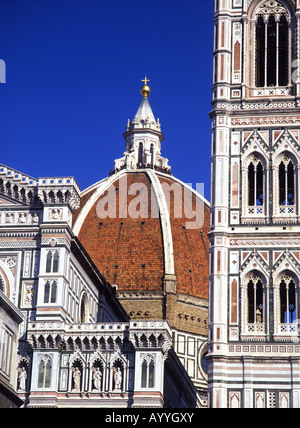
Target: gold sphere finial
145	90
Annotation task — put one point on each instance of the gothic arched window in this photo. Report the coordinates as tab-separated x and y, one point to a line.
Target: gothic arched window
288	307
52	262
50	292
53	292
47	292
286	177
147	377
255	301
255	183
44	372
272	45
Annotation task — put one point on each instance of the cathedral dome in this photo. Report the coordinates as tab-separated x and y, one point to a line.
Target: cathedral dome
146	231
139	246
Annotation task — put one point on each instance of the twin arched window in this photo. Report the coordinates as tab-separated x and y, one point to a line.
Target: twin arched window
288	307
44	372
284	187
286	178
285	304
52	262
148	367
255	301
50	292
255	183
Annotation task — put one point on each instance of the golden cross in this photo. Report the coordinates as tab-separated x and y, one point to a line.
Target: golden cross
146	80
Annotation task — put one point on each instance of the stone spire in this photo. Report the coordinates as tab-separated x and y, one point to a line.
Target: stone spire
143	139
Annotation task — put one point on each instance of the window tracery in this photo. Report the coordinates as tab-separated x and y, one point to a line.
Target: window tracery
271	40
45	372
52	262
147	372
254	190
255	184
286	305
254	302
272	44
287	300
285	176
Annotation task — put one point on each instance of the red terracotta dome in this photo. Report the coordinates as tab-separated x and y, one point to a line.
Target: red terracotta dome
138	253
143	228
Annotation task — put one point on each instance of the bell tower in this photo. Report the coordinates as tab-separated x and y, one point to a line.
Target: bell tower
254	341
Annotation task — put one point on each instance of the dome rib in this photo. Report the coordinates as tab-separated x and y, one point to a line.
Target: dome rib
165	224
158	252
99	190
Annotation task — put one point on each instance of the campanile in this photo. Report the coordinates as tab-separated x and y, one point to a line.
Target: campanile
254	345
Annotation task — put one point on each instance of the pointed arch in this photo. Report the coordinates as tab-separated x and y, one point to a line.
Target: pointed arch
286	303
84	309
285	186
271	38
255	178
254	303
97	365
148	365
45	371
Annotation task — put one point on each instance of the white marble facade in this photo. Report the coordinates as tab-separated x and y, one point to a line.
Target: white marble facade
76	343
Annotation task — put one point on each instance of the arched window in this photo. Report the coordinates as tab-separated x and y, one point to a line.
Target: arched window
255	183
52	262
148	371
151	375
255	301
286	177
44	372
272	45
55	262
288	307
49	262
50	292
141	153
47	292
144	374
84	310
53	292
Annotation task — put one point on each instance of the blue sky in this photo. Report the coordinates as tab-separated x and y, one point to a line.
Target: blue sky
73	76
